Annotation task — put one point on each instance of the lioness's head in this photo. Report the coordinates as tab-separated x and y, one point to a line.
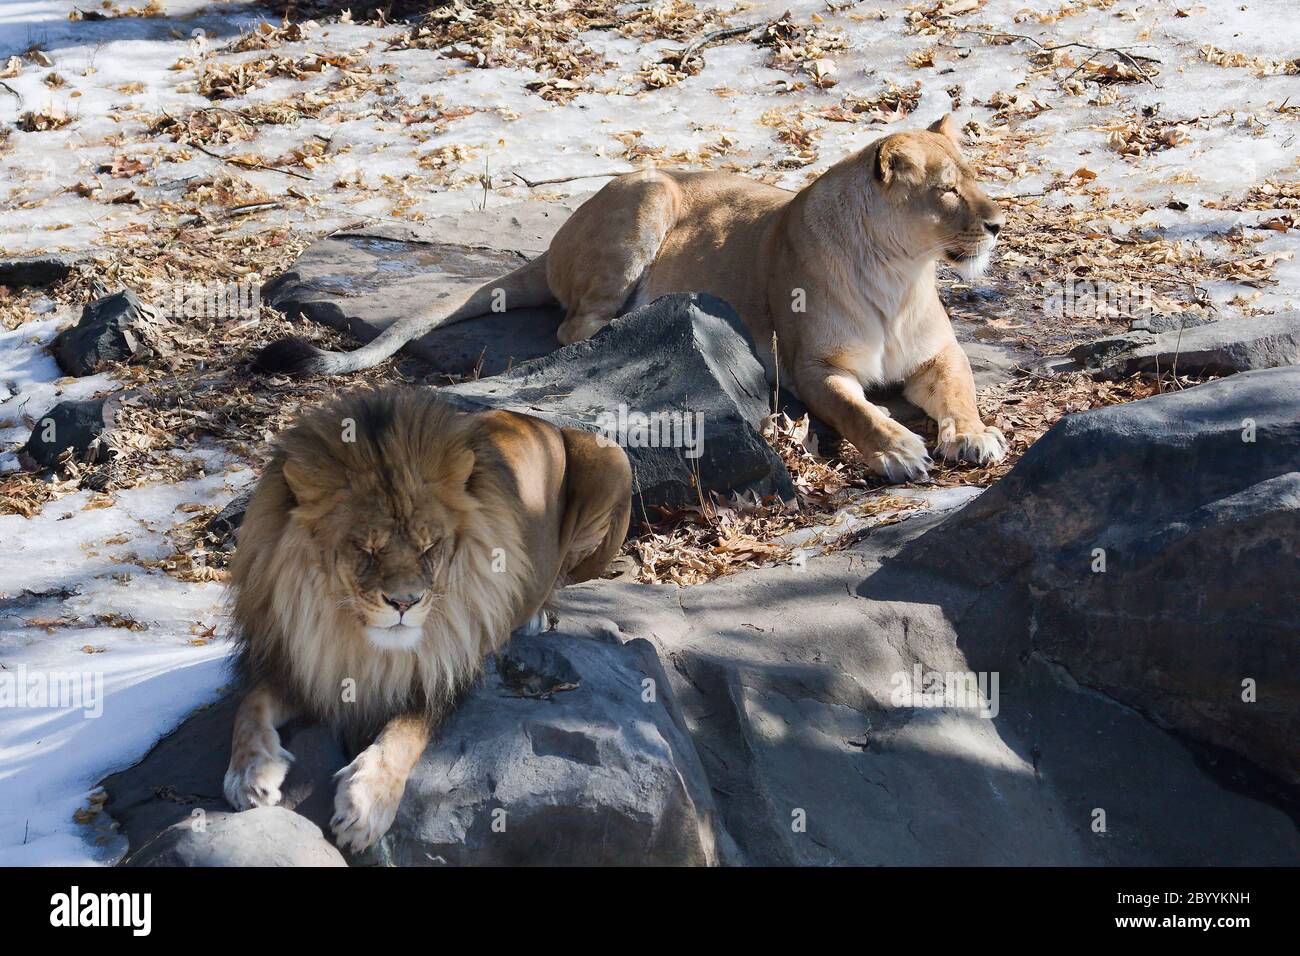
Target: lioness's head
941	212
379	481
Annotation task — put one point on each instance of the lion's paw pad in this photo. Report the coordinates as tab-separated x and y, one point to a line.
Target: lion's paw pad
255	779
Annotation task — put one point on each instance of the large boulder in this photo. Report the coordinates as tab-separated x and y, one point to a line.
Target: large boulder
570	749
676	383
1153	550
1214	348
572	753
828	704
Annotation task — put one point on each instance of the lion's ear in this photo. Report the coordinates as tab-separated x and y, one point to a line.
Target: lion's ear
458	467
898	161
947	126
311	493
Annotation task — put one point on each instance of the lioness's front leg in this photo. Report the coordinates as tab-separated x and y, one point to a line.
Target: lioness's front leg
258	763
945	389
836	397
371	786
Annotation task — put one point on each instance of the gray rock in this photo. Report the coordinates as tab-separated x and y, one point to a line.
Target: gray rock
1216	348
363	282
560	740
558	758
1156	323
788	678
685	354
263	836
1194	498
41	270
76	425
109	331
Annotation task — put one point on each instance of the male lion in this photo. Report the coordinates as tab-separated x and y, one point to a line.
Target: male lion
393	543
842	272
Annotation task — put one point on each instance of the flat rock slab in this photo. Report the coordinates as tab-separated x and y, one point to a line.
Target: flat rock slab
41	270
571	749
362	282
1216	348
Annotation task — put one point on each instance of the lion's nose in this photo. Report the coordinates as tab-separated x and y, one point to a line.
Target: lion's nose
994	226
403	602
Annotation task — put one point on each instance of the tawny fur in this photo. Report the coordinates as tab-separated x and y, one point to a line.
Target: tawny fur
842	273
379	493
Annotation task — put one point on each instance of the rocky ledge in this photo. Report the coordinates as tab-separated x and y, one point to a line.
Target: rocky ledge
1094	662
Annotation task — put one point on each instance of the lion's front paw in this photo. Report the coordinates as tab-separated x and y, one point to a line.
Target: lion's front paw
257	770
981	447
365	803
902	457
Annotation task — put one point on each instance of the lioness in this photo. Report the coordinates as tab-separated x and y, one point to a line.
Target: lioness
391	544
842	272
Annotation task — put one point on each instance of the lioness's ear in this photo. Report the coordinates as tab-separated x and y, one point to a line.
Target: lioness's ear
947	126
897	160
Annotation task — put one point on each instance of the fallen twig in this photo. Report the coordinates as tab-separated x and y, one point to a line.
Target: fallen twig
530	183
680	57
245	164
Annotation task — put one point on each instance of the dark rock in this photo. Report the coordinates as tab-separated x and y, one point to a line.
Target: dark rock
107	332
226	522
682	354
1215	348
580	749
263	836
1193	500
79	425
37	271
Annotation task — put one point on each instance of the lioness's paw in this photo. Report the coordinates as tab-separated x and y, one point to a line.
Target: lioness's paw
365	803
255	775
980	447
902	458
578	330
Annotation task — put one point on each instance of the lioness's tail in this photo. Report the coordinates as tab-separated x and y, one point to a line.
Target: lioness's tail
523	288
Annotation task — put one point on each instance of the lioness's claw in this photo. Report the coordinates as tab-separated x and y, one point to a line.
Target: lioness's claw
903	459
365	803
254	777
979	447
